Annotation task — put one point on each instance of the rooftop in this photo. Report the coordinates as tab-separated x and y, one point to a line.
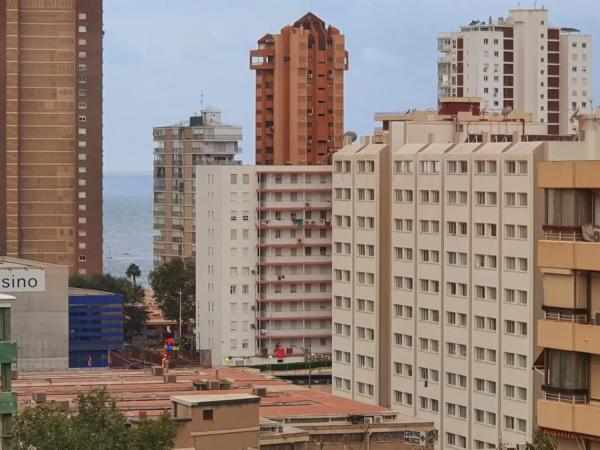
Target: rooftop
83	292
138	391
193	400
16	263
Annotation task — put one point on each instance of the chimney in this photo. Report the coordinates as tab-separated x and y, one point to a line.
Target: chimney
456	137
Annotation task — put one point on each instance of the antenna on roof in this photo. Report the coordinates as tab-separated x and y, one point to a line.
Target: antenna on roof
201	100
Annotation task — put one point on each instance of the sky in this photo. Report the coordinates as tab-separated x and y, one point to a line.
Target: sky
161	55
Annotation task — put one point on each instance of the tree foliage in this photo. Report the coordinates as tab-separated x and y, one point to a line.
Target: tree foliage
133	271
170	278
541	441
133	297
98	425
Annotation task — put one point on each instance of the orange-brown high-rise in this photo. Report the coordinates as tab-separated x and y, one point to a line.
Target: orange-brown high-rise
300	93
51	132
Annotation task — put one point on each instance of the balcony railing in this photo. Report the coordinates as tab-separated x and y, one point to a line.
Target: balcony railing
565	395
565	316
562	233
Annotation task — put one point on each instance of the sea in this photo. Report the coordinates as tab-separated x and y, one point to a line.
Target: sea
128	220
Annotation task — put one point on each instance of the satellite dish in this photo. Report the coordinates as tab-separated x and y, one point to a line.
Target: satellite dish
351	136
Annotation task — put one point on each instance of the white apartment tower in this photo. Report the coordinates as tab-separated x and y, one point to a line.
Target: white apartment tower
435	284
523	63
263	261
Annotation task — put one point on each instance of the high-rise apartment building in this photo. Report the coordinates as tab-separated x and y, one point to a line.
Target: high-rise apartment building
178	149
521	62
263	261
51	132
434	279
569	260
300	93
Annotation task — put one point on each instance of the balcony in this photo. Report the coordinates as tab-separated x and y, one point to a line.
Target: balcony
567	251
262	59
294	333
570	336
569	174
567	415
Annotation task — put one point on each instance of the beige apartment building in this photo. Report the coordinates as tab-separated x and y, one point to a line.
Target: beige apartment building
51	133
569	260
520	62
178	149
435	290
300	93
263	261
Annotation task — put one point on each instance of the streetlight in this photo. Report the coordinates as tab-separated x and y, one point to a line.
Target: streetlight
270	361
180	293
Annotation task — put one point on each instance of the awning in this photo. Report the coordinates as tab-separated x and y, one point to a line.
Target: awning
539	361
569	435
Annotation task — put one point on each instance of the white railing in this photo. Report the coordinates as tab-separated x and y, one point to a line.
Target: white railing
566	317
565	398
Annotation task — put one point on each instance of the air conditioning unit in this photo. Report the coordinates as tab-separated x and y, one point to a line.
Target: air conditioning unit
368	420
253	308
253	272
378	419
253	326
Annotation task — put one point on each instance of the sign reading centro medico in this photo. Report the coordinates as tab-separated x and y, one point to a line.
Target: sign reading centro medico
22	280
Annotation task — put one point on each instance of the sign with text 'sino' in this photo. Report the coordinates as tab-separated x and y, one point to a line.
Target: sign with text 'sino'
22	280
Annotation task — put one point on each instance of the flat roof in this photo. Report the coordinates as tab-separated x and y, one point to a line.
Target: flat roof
82	291
17	263
213	399
138	391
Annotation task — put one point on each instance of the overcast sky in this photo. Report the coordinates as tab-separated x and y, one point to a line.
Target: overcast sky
159	55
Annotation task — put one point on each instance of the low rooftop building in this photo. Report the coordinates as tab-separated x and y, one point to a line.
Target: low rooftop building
236	408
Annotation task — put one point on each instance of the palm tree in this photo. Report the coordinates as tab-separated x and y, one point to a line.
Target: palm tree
133	271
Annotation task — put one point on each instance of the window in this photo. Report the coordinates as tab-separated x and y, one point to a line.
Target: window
207	414
82	28
429	167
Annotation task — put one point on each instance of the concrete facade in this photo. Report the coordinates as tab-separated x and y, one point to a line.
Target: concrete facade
300	93
40	318
178	148
51	133
520	62
264	260
447	333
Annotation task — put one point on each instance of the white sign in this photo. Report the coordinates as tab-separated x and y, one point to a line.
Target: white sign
22	280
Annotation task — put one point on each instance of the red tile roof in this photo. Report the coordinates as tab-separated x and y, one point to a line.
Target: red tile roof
137	391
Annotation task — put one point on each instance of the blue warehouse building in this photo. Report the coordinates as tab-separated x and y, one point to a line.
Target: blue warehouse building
96	321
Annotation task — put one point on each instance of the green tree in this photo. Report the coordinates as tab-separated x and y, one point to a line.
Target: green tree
133	271
43	427
160	432
98	425
168	280
133	298
541	441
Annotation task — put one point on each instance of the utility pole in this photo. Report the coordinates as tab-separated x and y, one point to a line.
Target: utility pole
8	356
180	294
